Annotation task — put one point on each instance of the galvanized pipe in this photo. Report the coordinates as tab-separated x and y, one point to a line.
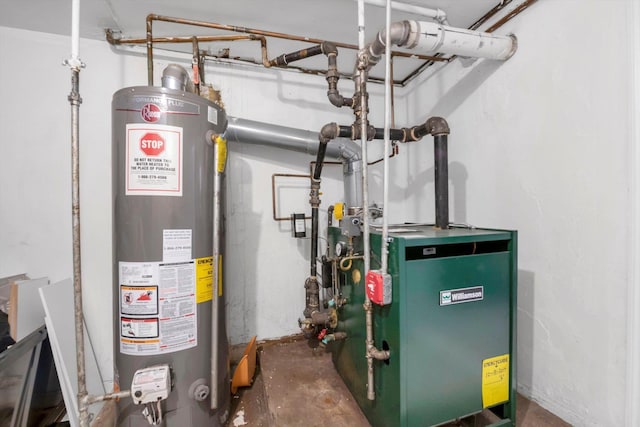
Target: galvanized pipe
384	250
361	89
75	100
219	161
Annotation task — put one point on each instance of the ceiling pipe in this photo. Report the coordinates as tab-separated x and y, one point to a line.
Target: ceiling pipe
431	37
435	14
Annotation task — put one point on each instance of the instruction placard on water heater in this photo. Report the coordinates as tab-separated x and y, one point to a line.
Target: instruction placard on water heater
154	160
157	307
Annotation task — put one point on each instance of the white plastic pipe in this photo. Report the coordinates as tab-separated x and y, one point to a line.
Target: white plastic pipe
433	37
437	14
75	28
75	62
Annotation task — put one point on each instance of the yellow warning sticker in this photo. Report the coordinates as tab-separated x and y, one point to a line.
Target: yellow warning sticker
495	380
204	279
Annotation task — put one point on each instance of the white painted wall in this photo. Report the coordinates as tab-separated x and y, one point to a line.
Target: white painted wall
540	144
265	268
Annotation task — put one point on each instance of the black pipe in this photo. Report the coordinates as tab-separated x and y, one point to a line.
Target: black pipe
288	58
328	132
333	76
441	167
434	126
394	134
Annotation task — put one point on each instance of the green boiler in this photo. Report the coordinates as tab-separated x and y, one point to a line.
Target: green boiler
450	327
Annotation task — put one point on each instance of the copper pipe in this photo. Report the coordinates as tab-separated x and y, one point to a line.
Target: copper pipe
257	35
273	192
195	65
497	8
511	15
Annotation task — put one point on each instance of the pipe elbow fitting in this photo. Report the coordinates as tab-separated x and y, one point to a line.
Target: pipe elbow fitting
328	132
338	100
329	48
437	126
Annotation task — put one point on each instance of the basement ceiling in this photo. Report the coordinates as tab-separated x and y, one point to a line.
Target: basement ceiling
332	20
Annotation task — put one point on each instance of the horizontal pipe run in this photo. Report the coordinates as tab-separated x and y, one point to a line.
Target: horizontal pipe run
437	14
304	141
511	15
288	58
436	38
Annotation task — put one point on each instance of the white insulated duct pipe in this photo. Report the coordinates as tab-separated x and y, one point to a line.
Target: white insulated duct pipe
431	38
436	14
435	37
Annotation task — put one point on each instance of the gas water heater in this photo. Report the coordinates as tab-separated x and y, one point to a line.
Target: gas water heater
171	346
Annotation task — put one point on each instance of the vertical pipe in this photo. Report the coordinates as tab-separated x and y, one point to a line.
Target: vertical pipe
195	65
387	143
149	51
371	394
75	29
216	260
75	101
441	179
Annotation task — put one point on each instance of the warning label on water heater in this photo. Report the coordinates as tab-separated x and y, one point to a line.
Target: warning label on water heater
158	311
154	160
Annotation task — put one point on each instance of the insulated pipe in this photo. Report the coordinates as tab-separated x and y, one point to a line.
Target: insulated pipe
430	37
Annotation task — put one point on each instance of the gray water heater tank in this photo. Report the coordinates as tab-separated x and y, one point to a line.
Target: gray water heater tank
163	190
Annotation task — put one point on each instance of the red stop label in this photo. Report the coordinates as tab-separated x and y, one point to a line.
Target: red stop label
152	144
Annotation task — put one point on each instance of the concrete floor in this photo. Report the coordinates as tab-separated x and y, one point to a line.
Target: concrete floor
296	385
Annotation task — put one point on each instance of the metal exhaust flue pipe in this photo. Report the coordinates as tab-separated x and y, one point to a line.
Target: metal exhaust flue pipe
303	141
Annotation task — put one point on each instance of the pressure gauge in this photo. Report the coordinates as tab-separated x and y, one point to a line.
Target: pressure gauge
341	250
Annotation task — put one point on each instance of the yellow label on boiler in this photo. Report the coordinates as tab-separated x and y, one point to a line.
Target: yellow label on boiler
204	279
495	380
